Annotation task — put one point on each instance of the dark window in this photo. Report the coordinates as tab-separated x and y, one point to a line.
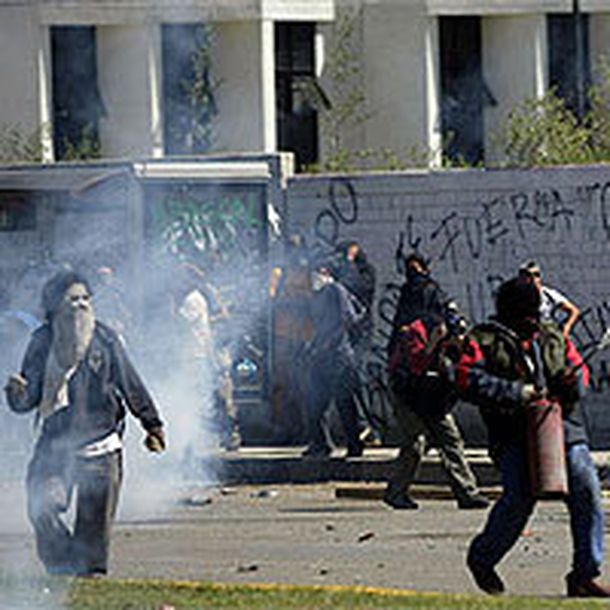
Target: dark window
77	104
463	91
17	212
188	90
569	59
297	120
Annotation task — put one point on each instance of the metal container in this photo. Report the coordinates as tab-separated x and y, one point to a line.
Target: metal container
546	450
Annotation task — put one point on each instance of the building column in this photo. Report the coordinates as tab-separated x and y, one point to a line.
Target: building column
155	74
599	37
268	109
515	68
129	75
433	93
45	93
401	80
244	65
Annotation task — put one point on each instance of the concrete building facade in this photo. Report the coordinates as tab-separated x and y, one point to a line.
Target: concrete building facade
130	71
436	75
420	60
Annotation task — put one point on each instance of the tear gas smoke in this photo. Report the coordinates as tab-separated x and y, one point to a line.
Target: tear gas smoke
164	342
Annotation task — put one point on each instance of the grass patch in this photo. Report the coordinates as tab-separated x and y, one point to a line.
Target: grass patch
155	595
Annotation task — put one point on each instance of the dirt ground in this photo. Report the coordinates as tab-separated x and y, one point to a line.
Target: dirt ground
303	535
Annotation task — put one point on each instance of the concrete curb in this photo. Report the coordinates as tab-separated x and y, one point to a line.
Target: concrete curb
278	465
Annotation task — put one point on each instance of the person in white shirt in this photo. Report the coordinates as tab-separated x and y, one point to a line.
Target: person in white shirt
551	300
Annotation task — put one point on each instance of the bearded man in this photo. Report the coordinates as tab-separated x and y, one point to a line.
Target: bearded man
78	378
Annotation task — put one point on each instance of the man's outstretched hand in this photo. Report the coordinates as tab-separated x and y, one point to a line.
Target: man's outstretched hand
155	440
16	390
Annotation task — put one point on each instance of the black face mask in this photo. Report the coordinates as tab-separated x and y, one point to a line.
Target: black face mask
412	274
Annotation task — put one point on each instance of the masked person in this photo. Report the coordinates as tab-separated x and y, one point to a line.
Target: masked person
358	275
332	366
500	369
78	379
421	398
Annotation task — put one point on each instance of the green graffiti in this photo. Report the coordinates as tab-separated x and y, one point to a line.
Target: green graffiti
220	225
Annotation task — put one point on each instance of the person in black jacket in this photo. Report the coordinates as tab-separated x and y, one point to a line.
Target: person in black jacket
421	400
79	380
331	360
358	275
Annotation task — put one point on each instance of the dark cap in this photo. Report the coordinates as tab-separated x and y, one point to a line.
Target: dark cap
530	268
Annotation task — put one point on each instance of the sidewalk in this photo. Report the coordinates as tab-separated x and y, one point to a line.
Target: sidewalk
277	465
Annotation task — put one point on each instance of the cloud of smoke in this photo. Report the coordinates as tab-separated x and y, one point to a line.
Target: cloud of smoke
149	309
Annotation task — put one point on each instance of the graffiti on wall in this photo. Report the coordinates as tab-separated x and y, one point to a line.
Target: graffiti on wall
220	229
475	239
207	223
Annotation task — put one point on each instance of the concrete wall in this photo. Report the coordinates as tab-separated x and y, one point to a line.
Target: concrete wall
497	7
477	227
401	84
20	43
514	67
145	11
600	35
127	72
242	55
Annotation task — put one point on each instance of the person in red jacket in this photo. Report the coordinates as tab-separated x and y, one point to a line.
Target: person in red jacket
421	399
505	364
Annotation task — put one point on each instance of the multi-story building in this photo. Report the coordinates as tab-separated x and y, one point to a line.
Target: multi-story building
438	75
122	72
445	73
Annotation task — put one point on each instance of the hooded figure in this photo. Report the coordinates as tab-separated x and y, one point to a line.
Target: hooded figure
421	397
78	379
507	363
331	360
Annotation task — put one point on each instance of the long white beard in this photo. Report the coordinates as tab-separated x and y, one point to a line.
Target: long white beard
72	334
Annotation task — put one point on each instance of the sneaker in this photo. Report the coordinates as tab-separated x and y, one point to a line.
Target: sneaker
232	442
486	577
400	502
586	588
370	438
473	502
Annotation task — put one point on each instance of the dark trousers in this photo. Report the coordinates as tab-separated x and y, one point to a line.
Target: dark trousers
82	549
288	393
363	408
333	380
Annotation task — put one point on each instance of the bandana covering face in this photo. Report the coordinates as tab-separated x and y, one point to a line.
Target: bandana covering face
72	325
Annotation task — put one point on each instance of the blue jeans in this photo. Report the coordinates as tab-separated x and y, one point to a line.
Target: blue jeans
511	512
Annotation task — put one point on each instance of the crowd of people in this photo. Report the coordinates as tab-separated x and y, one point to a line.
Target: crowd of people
520	358
77	378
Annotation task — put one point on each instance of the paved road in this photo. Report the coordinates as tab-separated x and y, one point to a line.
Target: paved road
301	534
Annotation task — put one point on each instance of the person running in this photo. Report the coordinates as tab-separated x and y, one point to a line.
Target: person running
500	369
